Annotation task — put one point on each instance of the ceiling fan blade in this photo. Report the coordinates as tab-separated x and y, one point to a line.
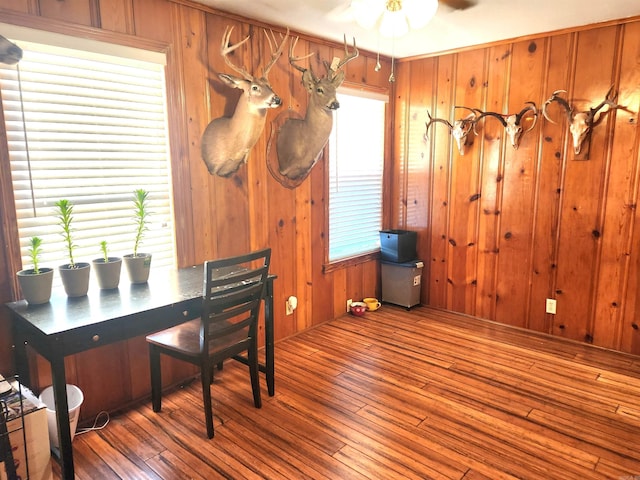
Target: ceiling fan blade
341	13
458	4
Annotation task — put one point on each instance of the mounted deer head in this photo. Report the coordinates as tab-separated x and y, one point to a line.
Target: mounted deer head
513	123
10	53
300	141
460	128
581	123
227	141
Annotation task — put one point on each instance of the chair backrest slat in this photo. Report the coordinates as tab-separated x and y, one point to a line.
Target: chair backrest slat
232	294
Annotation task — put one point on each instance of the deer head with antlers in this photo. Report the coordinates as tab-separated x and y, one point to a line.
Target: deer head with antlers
10	53
459	130
300	141
581	123
512	123
227	141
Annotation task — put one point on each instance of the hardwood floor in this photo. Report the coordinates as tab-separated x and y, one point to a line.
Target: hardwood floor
424	394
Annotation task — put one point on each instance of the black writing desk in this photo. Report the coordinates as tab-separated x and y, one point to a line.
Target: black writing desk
66	326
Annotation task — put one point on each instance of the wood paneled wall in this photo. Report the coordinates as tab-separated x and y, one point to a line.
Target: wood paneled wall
214	216
502	230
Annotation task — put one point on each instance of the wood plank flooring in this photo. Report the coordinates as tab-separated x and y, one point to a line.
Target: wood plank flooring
424	394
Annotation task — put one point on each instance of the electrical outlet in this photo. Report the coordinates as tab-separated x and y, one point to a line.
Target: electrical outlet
349	305
551	306
287	307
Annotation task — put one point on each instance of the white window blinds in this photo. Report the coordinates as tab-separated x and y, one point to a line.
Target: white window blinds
356	162
89	128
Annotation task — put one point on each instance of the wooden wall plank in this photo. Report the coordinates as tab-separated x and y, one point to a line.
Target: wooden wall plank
163	25
549	192
628	329
491	140
322	286
440	143
401	102
321	290
24	6
518	192
580	220
117	15
72	11
339	278
418	191
616	211
418	188
465	188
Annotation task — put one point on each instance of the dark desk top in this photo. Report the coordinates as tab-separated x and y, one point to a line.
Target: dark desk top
164	288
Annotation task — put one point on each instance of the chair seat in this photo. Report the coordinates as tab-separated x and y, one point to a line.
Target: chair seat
185	338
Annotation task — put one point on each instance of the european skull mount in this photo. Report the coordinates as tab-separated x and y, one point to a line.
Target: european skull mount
459	130
300	141
512	123
227	141
581	123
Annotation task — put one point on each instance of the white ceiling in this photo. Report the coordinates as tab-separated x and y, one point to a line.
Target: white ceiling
486	21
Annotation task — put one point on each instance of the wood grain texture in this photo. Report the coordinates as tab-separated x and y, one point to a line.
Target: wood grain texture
394	394
214	217
511	228
471	74
587	257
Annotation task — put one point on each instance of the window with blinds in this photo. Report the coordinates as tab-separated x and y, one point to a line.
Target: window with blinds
356	162
90	128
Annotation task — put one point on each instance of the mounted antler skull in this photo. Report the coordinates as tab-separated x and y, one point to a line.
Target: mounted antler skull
300	141
227	141
460	128
10	53
581	123
513	122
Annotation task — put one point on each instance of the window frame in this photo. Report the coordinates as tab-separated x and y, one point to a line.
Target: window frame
39	29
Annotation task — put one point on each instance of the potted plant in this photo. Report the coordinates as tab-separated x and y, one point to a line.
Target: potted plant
35	282
107	269
139	264
75	275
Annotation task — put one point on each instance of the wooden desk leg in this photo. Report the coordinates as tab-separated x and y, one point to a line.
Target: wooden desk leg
268	332
20	355
62	416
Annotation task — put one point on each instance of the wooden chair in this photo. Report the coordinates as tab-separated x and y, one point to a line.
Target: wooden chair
233	290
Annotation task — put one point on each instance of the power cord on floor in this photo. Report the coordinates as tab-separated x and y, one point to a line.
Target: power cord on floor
95	425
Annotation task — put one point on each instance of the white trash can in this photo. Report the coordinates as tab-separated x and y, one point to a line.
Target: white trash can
74	400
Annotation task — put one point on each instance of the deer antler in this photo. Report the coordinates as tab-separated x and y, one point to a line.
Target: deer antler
435	120
293	59
609	100
531	107
275	54
499	116
465	124
348	56
226	49
555	97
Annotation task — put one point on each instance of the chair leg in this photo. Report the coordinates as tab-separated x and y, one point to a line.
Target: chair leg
205	375
252	357
156	378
